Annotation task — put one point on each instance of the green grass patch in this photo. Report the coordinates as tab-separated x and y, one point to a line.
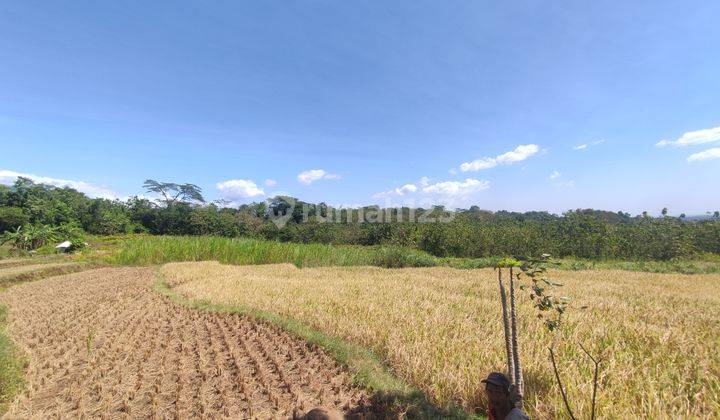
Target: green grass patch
152	250
705	265
390	394
672	266
11	365
398	257
147	250
6	251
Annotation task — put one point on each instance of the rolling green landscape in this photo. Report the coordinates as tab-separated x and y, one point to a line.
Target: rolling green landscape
35	216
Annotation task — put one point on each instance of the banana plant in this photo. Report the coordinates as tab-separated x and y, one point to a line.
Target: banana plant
29	237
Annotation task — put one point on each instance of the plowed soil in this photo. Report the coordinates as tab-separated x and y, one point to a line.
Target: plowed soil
102	343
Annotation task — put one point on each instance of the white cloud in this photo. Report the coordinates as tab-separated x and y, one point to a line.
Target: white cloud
270	182
425	194
586	145
478	164
520	153
457	188
8	177
405	189
555	175
312	175
692	138
236	190
708	154
400	191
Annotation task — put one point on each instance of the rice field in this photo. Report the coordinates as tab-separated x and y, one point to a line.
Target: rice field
14	274
440	329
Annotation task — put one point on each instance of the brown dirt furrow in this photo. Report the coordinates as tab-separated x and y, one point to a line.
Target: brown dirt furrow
102	343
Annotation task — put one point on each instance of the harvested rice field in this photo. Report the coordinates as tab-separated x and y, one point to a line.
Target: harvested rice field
14	262
15	274
22	269
441	330
103	343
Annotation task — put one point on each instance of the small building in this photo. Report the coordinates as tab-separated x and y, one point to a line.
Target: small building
64	246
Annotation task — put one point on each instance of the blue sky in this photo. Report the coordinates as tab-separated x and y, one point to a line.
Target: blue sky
405	102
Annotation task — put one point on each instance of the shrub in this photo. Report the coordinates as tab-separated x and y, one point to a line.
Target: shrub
398	257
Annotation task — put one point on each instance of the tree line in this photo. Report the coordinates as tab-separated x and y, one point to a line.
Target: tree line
472	233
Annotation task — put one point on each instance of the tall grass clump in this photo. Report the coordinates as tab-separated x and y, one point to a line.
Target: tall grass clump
700	266
151	250
398	257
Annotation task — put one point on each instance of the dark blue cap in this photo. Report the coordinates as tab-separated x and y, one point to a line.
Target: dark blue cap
499	379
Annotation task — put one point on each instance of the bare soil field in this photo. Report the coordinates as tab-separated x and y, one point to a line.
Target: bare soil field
103	343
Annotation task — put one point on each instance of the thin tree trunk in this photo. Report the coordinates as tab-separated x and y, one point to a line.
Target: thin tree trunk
559	382
518	378
595	379
506	325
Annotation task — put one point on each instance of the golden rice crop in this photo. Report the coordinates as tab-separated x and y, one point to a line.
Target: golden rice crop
440	329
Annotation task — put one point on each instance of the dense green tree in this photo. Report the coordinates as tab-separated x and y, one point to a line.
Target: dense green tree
5	192
12	218
106	217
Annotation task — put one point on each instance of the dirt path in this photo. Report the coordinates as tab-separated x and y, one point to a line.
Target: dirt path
101	342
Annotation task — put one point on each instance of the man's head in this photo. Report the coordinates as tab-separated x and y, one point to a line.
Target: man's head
321	413
497	388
